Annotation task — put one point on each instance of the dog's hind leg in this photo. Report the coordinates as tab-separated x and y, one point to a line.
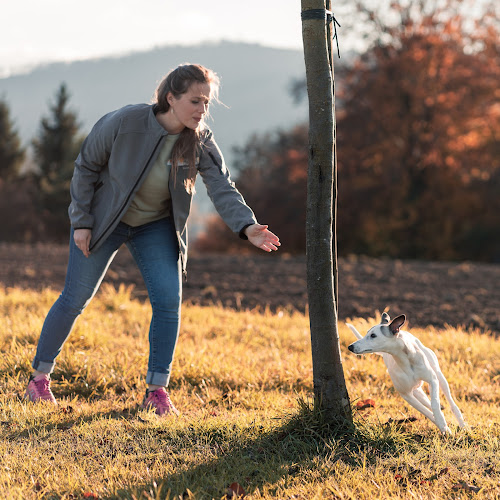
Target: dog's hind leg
436	405
443	383
422	397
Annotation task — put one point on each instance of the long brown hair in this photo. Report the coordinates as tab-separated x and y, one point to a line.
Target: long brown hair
178	81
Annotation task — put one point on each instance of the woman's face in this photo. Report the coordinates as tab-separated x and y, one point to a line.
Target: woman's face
189	109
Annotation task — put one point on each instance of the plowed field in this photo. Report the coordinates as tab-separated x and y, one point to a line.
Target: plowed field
429	293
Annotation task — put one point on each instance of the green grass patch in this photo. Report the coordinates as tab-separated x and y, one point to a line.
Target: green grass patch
243	384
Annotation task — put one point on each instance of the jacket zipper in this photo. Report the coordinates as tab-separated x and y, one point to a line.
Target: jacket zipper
129	195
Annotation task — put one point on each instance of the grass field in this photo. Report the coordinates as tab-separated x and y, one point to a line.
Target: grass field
243	384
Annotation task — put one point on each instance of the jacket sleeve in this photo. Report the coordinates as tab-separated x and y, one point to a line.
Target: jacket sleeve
93	157
227	200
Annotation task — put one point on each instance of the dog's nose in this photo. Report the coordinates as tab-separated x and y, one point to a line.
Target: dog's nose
351	348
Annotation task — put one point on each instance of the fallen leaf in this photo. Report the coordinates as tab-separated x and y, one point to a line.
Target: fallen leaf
402	420
413	472
36	484
442	472
235	490
490	470
366	403
89	494
467	487
419	438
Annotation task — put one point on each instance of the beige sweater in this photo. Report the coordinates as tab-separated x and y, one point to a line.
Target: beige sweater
152	201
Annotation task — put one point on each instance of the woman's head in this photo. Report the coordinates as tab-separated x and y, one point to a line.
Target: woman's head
186	79
185	93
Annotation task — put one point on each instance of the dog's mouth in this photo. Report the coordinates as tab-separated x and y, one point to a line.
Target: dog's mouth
368	351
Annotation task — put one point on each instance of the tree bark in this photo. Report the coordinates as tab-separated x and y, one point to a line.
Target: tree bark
329	384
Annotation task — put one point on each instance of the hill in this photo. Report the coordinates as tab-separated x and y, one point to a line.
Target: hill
255	87
255	83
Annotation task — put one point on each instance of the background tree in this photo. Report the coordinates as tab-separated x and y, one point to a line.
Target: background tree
271	171
11	152
20	221
55	150
419	130
418	123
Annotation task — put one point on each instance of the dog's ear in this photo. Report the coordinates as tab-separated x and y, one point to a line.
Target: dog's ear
385	319
397	323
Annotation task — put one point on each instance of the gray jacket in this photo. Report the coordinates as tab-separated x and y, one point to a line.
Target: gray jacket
115	159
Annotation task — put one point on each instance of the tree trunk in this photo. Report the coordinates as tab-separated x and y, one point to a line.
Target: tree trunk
329	384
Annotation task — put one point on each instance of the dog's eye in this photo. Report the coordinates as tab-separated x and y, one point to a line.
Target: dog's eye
373	336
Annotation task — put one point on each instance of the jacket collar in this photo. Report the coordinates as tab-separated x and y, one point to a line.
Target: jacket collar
153	122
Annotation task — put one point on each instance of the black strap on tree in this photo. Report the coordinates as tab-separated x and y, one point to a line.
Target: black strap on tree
328	16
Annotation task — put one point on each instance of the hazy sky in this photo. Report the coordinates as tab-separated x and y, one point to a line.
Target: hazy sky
35	31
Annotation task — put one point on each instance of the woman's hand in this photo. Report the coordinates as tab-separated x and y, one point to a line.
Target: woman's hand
82	240
261	237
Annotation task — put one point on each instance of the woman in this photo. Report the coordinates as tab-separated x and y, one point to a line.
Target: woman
133	183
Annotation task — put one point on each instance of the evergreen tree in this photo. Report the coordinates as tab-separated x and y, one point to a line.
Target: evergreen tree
55	150
11	153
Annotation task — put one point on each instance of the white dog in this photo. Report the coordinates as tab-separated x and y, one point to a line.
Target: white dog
409	364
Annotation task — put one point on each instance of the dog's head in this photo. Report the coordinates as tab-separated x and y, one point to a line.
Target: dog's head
379	337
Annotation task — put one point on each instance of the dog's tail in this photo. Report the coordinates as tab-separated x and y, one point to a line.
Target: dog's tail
353	330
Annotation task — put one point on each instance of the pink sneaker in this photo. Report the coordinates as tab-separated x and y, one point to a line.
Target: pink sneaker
160	401
39	390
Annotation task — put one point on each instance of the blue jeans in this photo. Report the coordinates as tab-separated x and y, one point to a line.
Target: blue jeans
155	250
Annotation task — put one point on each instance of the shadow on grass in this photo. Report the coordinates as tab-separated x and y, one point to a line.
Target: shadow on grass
255	459
269	461
68	419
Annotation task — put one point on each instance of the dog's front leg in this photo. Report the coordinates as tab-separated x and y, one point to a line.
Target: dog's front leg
413	401
422	397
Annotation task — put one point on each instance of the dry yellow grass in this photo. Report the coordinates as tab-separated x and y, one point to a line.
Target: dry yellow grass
243	382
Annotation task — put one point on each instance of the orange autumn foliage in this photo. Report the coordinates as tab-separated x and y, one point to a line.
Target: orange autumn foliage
418	143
